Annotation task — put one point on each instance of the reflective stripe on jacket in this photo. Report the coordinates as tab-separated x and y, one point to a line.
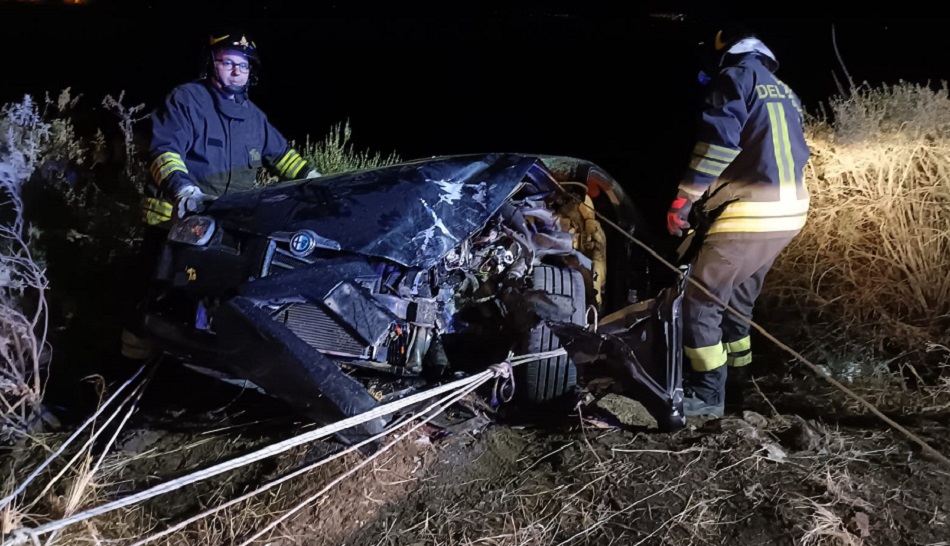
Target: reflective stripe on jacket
751	152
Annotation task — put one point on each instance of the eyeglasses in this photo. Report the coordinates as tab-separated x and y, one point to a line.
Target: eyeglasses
229	65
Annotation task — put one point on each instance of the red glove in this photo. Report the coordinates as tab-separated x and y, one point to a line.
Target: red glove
676	217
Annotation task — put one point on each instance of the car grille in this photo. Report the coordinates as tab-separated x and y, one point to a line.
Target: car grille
311	322
321	331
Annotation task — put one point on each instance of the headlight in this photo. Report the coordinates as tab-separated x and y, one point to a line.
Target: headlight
192	230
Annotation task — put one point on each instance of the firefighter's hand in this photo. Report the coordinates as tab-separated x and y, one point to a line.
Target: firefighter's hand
313	173
190	200
676	217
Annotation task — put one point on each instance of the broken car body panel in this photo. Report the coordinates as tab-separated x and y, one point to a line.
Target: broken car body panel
412	214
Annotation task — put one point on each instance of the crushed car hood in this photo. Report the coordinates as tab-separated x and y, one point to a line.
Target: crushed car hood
413	213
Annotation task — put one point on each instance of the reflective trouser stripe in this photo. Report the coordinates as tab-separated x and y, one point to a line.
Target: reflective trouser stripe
739	346
739	353
704	359
737	361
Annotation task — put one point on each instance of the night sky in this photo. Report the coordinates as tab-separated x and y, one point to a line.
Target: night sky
607	84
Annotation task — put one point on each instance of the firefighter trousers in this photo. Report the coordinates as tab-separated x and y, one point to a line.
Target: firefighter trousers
733	269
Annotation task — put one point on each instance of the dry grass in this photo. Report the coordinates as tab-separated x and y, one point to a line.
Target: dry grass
76	479
621	495
577	513
839	517
24	137
596	500
658	496
95	480
876	249
825	527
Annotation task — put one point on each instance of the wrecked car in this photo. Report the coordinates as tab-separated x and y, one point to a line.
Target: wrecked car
341	293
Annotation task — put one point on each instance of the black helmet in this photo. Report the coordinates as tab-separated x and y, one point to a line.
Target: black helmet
233	40
236	41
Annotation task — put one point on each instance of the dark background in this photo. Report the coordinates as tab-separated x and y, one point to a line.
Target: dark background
609	83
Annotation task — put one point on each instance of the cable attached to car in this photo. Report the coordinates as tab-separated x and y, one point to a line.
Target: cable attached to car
504	388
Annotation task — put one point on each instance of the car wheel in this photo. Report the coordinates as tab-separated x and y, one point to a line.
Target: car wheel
551	378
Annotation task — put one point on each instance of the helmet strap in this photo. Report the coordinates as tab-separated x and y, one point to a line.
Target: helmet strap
234	89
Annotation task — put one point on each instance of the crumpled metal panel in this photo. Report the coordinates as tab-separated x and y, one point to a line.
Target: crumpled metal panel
267	353
307	283
413	213
356	307
640	347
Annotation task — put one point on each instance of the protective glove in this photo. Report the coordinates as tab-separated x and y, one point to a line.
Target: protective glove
676	217
313	173
189	200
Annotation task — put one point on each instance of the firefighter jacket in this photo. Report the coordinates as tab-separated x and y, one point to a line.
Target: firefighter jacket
201	137
751	153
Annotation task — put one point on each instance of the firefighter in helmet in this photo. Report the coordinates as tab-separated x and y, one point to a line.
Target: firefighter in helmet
746	177
207	139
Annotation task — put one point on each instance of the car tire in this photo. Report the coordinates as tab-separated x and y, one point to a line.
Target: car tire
551	379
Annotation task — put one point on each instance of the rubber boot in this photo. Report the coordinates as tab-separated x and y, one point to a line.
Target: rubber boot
704	393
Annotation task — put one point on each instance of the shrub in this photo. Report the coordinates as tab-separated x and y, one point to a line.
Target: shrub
24	138
336	154
876	249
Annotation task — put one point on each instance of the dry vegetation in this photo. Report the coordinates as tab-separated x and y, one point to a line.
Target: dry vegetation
870	265
24	139
875	252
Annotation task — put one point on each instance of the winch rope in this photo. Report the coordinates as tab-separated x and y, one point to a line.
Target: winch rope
441	404
461	393
22	535
134	395
9	498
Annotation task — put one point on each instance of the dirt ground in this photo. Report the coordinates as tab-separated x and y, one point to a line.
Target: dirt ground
739	480
801	466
